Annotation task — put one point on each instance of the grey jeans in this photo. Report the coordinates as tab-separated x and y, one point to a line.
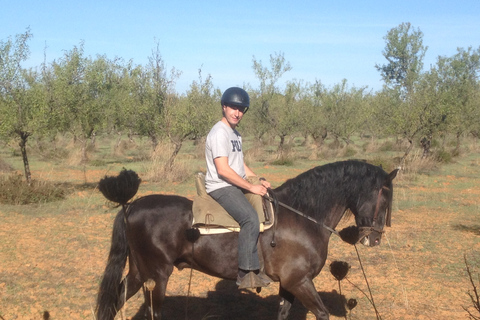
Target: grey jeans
236	204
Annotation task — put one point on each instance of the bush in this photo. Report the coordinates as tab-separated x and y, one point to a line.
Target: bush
443	156
284	161
17	191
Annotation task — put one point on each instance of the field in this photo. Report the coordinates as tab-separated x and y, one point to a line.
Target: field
53	254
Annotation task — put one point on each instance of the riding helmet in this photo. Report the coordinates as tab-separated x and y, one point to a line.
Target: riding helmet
236	97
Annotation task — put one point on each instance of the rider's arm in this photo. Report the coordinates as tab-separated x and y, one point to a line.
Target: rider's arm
250	173
229	175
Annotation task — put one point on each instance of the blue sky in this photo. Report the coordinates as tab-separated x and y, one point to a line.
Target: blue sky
323	40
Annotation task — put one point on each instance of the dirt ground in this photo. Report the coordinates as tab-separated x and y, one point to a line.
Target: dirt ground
53	262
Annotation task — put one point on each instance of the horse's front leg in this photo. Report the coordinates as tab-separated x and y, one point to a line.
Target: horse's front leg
286	301
307	294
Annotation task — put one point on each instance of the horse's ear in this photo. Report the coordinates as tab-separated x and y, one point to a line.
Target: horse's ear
393	174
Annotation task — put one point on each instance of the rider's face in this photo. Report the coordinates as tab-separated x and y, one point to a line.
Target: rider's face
233	115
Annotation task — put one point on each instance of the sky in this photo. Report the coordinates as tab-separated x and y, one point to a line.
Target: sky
325	41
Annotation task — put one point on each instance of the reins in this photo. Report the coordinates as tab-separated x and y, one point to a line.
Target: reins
364	231
274	200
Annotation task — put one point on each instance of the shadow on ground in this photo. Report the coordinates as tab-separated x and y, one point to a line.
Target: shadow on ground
227	302
475	229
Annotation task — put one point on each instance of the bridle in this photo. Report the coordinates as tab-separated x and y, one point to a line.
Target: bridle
363	231
366	231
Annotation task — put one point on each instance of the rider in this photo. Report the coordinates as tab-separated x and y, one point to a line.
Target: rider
225	182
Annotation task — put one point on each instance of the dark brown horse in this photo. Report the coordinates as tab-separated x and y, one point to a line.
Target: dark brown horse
153	232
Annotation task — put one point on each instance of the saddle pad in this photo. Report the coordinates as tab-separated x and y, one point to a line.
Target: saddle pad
209	214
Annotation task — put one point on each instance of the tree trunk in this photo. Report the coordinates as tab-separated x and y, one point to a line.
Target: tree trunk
426	143
154	140
280	149
457	145
170	162
23	148
407	152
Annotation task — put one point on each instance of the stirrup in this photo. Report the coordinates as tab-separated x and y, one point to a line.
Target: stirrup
251	280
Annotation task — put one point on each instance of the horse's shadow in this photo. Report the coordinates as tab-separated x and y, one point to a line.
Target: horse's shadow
227	302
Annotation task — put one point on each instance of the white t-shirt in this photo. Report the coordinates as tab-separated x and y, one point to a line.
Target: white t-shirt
223	141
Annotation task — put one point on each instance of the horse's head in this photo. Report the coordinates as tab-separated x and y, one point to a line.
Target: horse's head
372	213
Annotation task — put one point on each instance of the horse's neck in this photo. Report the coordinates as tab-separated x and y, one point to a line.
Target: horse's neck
328	213
334	216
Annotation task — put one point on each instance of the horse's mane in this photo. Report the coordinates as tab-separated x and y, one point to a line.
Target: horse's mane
317	190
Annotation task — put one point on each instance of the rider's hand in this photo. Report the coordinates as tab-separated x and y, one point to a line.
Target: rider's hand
259	189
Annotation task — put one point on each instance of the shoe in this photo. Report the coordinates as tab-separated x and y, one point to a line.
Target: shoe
251	280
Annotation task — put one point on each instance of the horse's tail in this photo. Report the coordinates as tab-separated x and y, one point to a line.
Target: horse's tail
122	188
109	295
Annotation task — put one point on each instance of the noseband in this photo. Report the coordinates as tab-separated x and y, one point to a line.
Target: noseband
366	231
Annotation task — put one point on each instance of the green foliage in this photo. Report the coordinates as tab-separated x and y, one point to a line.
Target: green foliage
87	98
443	156
404	51
285	161
16	191
262	100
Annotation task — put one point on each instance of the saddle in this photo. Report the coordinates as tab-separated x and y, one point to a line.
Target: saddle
209	217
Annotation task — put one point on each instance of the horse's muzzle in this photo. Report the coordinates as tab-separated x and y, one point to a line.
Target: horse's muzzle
372	239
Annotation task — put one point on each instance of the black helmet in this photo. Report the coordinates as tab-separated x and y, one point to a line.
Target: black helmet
236	97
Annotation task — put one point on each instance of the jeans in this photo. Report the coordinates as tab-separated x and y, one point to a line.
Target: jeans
236	204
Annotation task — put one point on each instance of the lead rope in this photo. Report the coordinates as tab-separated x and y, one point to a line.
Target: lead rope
368	286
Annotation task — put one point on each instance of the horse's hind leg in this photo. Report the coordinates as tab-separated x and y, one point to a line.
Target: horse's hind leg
285	303
307	294
130	285
154	290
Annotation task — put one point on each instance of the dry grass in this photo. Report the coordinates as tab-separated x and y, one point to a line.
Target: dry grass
5	167
156	171
16	191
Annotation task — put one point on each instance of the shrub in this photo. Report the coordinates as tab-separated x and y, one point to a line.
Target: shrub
284	161
443	156
349	152
17	191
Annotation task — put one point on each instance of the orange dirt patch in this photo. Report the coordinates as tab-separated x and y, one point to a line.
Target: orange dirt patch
54	262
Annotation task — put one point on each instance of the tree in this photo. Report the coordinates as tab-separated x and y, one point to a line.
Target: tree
458	81
191	116
285	110
261	99
19	104
342	108
404	52
76	92
150	91
313	121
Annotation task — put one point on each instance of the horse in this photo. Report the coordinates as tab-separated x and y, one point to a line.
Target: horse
154	232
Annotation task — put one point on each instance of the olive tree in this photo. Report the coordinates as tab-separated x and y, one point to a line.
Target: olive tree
458	81
150	91
20	106
404	51
192	116
343	110
262	99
